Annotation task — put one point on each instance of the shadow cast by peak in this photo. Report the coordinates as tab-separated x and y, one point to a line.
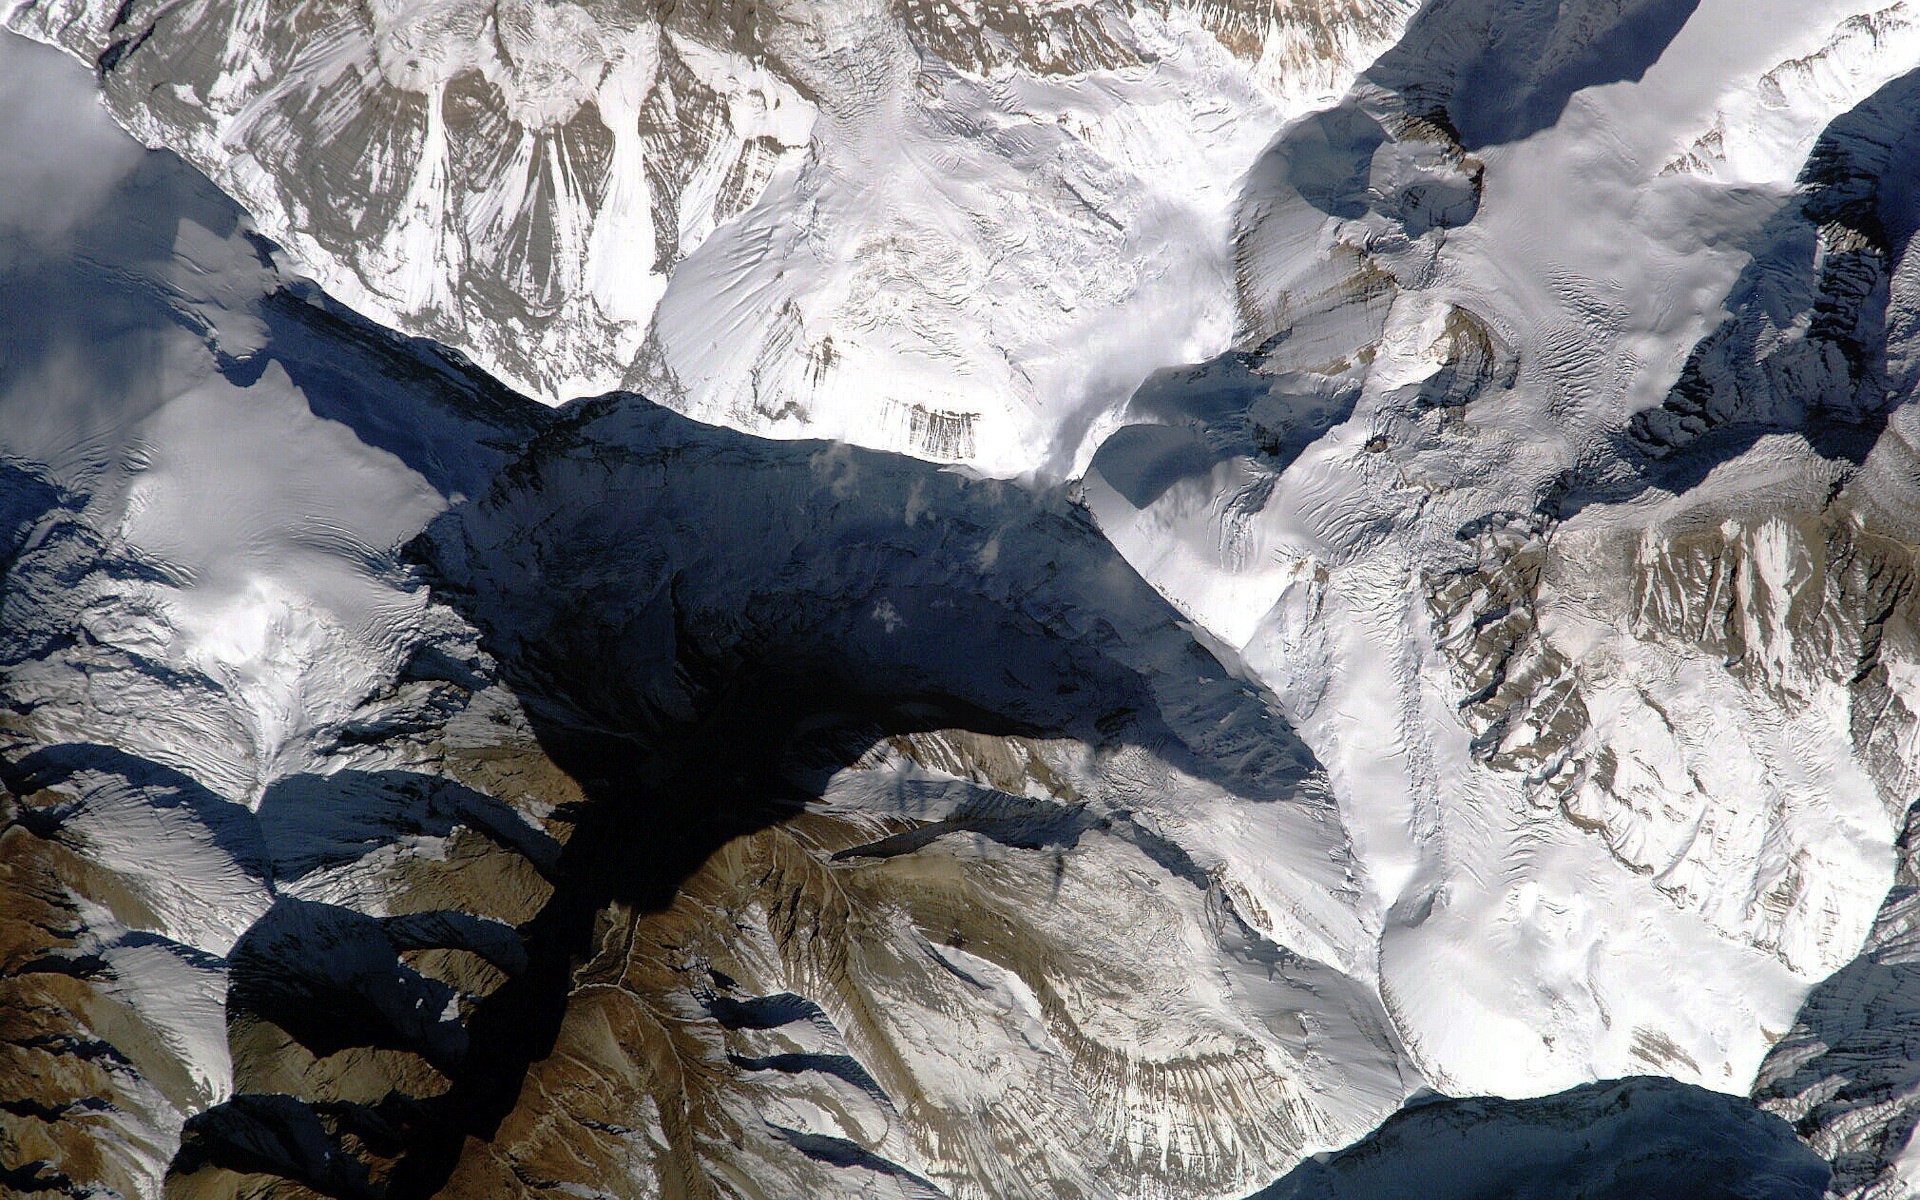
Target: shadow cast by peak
1848	1065
1855	1028
311	822
1200	416
703	626
96	317
99	777
85	318
1500	71
457	425
1642	1138
1815	346
634	565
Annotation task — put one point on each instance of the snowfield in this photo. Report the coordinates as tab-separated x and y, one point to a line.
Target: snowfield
959	599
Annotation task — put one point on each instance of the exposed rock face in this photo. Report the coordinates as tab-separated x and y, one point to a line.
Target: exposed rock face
684	812
1478	652
1787	630
566	191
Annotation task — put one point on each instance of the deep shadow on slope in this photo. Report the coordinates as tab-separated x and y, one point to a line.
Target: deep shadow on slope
1630	1139
636	572
702	626
86	322
460	424
1202	415
79	313
1502	70
1848	1071
1857	1039
699	624
1815	345
687	613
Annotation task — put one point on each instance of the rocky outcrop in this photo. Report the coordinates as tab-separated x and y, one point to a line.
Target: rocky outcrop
413	790
562	191
685	812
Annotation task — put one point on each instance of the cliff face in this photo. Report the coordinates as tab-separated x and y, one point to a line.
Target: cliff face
411	790
770	217
1401	577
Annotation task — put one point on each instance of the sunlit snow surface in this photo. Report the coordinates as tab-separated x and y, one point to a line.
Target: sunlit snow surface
965	230
1516	690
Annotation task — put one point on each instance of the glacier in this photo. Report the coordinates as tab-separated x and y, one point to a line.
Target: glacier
958	600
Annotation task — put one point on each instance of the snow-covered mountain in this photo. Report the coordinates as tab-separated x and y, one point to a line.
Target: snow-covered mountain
965	230
1157	585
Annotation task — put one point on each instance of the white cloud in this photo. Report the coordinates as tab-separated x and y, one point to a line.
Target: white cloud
62	152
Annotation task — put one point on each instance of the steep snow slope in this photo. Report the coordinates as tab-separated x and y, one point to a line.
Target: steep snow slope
1522	466
821	820
200	590
1596	721
965	230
